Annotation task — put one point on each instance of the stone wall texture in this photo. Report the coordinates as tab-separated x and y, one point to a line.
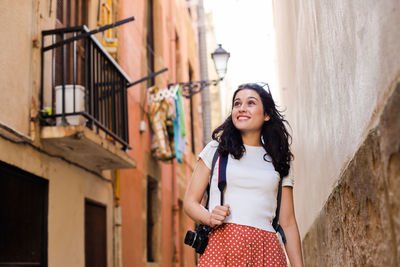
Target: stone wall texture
359	224
337	62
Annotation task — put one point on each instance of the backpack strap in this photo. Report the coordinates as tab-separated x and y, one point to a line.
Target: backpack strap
223	161
275	222
214	160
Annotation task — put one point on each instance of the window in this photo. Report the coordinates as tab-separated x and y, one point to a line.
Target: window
150	42
177	59
182	232
70	13
152	216
191	114
188	5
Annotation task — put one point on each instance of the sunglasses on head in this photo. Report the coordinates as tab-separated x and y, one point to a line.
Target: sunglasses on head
265	86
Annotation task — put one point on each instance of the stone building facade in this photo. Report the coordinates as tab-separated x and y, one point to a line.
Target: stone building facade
339	77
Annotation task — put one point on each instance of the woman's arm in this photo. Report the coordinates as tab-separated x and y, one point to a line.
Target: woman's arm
288	222
194	193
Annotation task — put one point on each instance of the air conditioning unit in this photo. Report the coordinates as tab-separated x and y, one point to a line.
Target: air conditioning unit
69	103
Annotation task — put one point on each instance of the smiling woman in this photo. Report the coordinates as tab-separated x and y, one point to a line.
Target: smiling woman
255	141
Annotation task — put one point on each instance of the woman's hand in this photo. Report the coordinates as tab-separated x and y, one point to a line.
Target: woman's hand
218	215
194	194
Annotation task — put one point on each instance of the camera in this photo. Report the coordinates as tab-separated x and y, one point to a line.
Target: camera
199	238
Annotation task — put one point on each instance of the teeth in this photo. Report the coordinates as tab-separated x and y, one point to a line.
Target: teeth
243	118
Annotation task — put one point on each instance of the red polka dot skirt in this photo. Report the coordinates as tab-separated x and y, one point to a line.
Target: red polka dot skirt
240	245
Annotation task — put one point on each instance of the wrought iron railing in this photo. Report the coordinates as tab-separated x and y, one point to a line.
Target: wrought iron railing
87	86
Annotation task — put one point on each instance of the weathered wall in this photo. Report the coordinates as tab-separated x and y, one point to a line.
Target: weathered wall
22	23
16	62
170	18
338	62
69	185
133	182
360	222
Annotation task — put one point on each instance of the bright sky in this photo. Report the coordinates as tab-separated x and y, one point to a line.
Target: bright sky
245	30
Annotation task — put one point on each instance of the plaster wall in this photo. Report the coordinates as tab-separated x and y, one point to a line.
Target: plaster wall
16	62
338	62
22	23
170	19
69	185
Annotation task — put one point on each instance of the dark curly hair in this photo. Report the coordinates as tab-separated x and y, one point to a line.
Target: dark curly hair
275	138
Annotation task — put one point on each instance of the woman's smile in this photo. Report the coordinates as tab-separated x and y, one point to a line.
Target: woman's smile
243	118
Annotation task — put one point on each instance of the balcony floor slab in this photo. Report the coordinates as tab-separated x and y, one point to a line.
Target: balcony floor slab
84	147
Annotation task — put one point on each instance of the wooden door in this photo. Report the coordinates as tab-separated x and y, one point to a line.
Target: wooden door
95	234
23	218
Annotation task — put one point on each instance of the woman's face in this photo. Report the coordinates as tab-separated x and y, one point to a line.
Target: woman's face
248	111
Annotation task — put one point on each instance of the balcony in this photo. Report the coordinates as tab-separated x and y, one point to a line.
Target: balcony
83	101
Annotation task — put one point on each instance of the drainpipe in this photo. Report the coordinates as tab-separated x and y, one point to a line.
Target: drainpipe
205	94
175	215
175	204
117	222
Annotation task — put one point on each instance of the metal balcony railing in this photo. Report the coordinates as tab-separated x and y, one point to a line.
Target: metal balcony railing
87	85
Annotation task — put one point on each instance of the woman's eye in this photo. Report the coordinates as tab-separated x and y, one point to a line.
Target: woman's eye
251	102
236	104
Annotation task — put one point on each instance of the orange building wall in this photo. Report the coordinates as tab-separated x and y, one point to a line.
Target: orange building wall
170	17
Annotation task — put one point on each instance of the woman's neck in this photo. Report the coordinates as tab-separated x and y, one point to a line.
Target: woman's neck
252	138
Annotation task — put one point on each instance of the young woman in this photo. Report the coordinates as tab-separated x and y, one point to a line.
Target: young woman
257	142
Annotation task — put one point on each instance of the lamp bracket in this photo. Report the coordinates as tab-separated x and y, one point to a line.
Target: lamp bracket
193	87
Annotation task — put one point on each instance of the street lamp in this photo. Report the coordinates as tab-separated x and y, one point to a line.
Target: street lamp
220	57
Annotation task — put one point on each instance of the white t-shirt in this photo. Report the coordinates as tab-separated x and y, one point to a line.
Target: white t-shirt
251	186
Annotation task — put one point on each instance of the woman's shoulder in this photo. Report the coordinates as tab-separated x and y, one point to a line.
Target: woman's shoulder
207	153
211	146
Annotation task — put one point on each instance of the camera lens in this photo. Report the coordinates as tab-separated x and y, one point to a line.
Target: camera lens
189	238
